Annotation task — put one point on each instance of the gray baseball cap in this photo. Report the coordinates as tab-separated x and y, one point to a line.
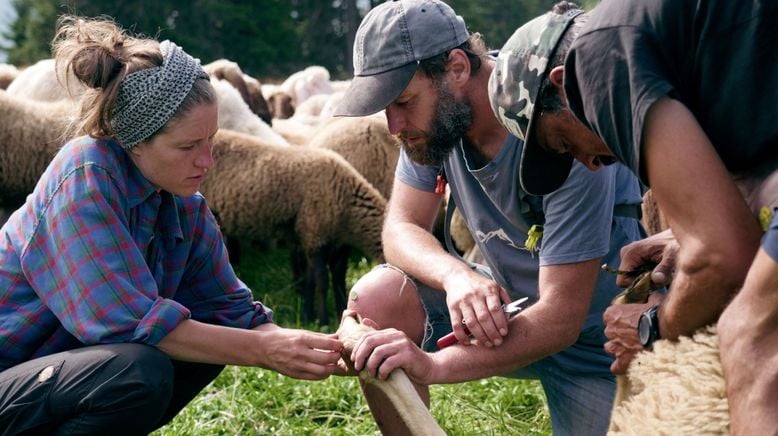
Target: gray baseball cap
514	88
391	40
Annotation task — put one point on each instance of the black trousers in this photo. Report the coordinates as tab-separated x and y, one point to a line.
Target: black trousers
125	389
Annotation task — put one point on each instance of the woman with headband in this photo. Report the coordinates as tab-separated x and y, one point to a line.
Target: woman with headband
118	303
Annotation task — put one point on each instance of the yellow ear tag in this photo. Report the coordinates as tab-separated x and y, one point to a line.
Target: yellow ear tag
533	237
765	217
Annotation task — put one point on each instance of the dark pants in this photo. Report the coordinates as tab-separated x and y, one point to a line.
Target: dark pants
117	389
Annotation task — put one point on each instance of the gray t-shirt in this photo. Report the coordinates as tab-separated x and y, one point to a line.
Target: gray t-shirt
579	226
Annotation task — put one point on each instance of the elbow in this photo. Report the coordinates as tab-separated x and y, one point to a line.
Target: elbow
715	267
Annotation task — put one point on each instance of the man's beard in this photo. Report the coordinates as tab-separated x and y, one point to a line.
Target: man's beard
450	121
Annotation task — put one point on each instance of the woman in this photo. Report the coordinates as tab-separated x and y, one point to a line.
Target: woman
119	303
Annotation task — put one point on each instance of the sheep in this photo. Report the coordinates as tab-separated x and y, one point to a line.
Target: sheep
279	102
8	73
250	89
235	114
676	388
654	220
294	131
39	82
686	373
31	134
365	142
303	84
258	190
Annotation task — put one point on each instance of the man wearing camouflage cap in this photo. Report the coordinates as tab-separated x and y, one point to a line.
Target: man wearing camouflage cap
684	94
416	60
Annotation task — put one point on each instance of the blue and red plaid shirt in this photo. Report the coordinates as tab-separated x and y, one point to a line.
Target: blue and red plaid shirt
96	255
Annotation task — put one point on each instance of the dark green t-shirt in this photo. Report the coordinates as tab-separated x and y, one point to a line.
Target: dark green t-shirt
718	57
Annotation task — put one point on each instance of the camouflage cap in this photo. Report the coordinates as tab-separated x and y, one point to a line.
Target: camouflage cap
514	87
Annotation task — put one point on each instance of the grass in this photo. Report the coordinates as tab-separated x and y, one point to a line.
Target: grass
253	401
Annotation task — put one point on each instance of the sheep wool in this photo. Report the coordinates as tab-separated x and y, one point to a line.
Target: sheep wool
310	197
677	388
31	133
365	142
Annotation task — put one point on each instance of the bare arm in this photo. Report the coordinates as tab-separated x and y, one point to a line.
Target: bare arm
549	326
748	333
409	245
715	230
295	353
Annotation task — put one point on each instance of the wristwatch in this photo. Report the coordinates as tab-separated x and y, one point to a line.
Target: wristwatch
648	326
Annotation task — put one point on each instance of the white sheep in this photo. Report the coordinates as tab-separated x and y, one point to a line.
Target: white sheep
8	73
311	196
235	114
250	89
303	84
39	82
677	388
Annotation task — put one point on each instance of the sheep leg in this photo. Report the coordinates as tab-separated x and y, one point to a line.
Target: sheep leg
338	264
317	265
396	392
303	281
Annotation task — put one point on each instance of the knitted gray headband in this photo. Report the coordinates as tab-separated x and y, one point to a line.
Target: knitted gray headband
149	98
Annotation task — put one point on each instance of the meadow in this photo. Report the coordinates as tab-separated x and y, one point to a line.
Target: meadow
253	401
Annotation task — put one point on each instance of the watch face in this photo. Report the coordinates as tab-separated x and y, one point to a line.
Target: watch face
644	329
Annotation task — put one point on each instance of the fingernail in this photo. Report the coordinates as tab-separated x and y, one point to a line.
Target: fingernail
498	342
503	332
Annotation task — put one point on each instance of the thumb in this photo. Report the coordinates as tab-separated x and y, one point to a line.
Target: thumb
663	272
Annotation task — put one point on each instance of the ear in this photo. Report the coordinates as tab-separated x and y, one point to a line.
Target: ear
458	68
557	77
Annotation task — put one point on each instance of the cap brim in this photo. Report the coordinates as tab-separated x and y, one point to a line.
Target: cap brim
542	172
369	94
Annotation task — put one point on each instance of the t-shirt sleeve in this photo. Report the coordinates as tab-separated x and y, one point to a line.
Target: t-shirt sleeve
612	77
770	239
578	217
421	177
83	263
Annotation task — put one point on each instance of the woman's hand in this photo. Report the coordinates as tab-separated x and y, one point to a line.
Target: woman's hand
299	353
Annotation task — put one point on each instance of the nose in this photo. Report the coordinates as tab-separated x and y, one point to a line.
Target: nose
205	158
394	120
589	160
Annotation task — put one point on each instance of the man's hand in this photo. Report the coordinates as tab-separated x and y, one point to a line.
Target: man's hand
478	301
660	250
621	329
382	351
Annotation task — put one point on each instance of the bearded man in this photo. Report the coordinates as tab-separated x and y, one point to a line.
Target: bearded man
416	60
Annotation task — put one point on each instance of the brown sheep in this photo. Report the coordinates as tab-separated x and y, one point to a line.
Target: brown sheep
259	191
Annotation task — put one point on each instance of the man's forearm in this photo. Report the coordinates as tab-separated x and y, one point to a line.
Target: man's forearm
716	232
748	333
538	332
418	253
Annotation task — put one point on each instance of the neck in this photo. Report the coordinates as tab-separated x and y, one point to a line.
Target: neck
486	135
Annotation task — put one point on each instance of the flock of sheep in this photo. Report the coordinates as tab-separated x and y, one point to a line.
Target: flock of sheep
285	168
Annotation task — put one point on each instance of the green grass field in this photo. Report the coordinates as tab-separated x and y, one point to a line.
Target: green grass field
252	401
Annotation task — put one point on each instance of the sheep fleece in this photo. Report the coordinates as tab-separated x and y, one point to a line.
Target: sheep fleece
678	388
